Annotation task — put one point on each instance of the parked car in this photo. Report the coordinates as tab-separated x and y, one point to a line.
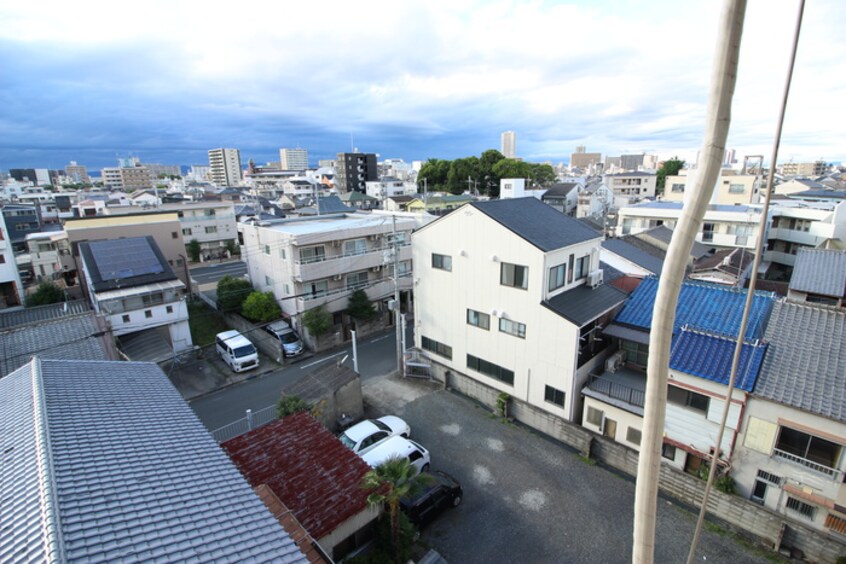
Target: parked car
398	447
438	491
288	338
363	436
236	350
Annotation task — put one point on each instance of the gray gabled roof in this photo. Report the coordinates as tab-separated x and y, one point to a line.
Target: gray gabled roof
820	271
104	462
633	254
805	366
582	304
560	190
25	316
541	225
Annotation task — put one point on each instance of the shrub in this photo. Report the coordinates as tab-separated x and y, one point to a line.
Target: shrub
193	248
726	484
360	306
289	405
47	293
318	321
231	293
261	306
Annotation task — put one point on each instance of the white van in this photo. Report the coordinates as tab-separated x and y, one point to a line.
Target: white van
236	350
398	447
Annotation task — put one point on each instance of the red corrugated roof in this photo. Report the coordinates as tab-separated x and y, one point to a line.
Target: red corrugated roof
307	467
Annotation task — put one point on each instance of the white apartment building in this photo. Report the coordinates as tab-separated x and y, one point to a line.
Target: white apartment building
225	167
11	288
131	283
48	256
320	260
797	224
389	187
508	144
731	188
631	186
293	159
111	177
509	293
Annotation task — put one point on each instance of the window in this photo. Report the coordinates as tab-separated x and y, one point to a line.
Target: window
636	353
557	276
570	270
835	523
2	259
317	289
152	299
148	313
594	416
552	395
686	398
211	229
267	250
209	213
514	275
512	328
312	254
174	235
282	254
582	266
355	247
633	435
268	281
125	318
736	189
169	309
438	348
287	289
677	188
808	447
668	451
442	262
490	369
759	492
800	507
478	319
356	280
707	232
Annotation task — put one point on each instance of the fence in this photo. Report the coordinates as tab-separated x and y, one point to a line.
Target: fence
252	420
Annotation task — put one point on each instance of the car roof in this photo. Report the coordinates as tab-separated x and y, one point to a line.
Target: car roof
392	447
234	339
361	430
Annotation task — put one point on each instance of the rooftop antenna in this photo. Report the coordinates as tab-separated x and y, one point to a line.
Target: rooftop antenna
352	145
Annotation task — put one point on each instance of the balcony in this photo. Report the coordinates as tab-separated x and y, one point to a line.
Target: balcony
624	388
319	268
815	466
336	299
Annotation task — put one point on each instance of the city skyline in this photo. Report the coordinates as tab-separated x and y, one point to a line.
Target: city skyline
617	77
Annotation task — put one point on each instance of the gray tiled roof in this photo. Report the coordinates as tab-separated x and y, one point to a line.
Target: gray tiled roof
104	462
664	234
25	316
539	224
582	305
69	338
634	255
820	271
805	366
560	190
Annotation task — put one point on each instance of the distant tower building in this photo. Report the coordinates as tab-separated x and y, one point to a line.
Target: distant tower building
582	159
631	162
225	165
293	159
77	173
353	170
508	144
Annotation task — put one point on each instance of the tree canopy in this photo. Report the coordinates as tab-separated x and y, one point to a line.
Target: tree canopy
360	306
46	293
318	321
670	167
231	292
261	306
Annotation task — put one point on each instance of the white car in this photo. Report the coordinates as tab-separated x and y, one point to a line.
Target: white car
363	436
398	447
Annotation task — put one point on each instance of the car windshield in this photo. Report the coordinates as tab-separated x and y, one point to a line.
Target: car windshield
288	338
348	442
246	350
381	425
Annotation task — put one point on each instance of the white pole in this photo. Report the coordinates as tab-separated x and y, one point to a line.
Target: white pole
402	329
397	296
354	352
717	123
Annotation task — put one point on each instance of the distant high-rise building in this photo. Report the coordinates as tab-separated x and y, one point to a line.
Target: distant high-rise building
582	159
804	169
354	170
77	173
293	159
111	178
225	165
508	144
631	162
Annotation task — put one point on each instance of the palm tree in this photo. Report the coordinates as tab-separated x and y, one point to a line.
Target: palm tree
388	483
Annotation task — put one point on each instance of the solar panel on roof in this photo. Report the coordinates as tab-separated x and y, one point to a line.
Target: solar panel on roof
125	258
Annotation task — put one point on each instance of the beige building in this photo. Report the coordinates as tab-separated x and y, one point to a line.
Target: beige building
135	178
225	166
581	159
731	188
812	170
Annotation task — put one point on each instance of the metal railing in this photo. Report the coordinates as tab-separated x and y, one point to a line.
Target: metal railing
822	468
252	420
348	254
616	390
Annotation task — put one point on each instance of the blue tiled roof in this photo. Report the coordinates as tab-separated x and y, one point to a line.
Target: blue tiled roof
707	307
710	357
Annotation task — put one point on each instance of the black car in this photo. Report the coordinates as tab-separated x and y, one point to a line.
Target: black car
438	491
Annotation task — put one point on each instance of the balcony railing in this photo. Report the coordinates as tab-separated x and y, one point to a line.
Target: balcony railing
821	468
616	390
324	258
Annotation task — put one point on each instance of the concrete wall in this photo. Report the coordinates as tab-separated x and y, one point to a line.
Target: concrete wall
771	529
264	341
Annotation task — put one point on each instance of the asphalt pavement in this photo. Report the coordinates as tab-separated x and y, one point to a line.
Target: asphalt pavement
526	497
214	272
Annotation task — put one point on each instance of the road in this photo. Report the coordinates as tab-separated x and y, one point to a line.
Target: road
376	357
213	273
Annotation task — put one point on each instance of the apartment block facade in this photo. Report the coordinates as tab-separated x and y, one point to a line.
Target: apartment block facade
354	170
225	166
293	159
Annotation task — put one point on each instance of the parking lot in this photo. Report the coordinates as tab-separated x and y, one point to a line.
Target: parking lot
527	498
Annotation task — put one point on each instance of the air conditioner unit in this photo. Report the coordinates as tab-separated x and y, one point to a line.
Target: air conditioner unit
595	278
337	277
615	361
336	243
376	269
373	237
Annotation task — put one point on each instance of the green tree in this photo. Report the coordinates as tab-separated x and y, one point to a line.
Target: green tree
542	175
434	171
488	179
318	321
388	483
460	170
232	248
261	306
668	168
289	405
193	248
360	306
231	292
512	168
46	293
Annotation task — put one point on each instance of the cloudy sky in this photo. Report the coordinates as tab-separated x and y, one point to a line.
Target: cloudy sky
166	81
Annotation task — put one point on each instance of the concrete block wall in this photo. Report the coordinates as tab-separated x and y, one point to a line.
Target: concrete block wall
264	341
771	529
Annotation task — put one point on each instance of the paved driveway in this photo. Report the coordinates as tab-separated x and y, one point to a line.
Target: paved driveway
528	499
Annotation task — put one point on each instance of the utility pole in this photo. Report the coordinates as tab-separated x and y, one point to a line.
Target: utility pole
397	296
